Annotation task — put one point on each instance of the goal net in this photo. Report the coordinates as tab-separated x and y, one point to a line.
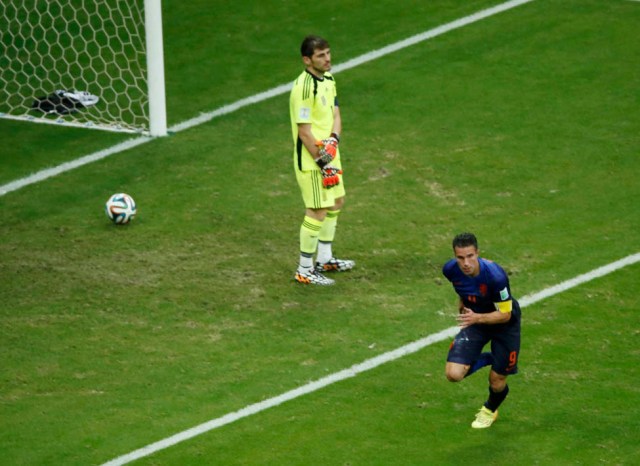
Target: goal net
83	63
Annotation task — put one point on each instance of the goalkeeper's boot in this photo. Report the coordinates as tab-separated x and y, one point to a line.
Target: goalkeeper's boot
484	418
311	277
335	265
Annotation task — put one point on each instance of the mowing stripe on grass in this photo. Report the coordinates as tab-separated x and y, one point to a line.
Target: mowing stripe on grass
257	98
358	368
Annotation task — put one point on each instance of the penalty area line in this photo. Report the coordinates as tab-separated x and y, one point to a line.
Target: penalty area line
260	97
356	369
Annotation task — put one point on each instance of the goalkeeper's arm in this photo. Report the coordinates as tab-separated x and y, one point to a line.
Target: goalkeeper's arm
337	123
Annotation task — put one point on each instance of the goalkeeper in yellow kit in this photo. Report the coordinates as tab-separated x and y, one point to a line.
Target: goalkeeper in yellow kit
316	126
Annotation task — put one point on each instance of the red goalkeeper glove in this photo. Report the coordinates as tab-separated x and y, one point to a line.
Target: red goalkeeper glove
328	149
330	176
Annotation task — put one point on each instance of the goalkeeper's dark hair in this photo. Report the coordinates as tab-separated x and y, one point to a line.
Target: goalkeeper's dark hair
464	240
312	43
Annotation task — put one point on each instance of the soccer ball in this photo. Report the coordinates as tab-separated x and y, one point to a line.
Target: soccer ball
120	208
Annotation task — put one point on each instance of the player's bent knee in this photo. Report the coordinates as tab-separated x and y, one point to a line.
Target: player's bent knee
455	373
454	377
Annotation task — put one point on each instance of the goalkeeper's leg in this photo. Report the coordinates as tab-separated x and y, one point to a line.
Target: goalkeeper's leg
306	272
325	262
317	200
309	231
326	236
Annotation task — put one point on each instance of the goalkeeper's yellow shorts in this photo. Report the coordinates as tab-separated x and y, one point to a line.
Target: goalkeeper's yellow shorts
314	194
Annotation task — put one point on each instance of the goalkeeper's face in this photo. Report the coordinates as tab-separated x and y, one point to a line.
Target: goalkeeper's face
320	62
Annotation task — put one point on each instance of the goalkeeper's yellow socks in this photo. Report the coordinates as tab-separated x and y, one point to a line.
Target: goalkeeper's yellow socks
309	231
326	236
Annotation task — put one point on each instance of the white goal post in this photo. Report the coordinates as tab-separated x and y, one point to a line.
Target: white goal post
85	63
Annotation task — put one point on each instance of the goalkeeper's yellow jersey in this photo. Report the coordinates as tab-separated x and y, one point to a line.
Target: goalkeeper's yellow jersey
312	101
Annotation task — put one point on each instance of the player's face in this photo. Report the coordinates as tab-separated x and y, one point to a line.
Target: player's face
467	258
319	62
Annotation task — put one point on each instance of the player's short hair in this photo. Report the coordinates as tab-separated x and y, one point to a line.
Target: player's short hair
312	43
464	240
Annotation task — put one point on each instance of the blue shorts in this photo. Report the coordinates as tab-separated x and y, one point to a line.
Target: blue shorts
505	344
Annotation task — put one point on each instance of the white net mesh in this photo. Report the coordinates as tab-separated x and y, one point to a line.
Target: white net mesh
88	49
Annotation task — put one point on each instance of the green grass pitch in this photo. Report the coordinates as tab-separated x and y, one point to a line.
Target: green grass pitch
522	127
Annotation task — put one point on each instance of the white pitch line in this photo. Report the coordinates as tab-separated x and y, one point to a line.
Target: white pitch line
369	364
579	280
260	97
67	166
